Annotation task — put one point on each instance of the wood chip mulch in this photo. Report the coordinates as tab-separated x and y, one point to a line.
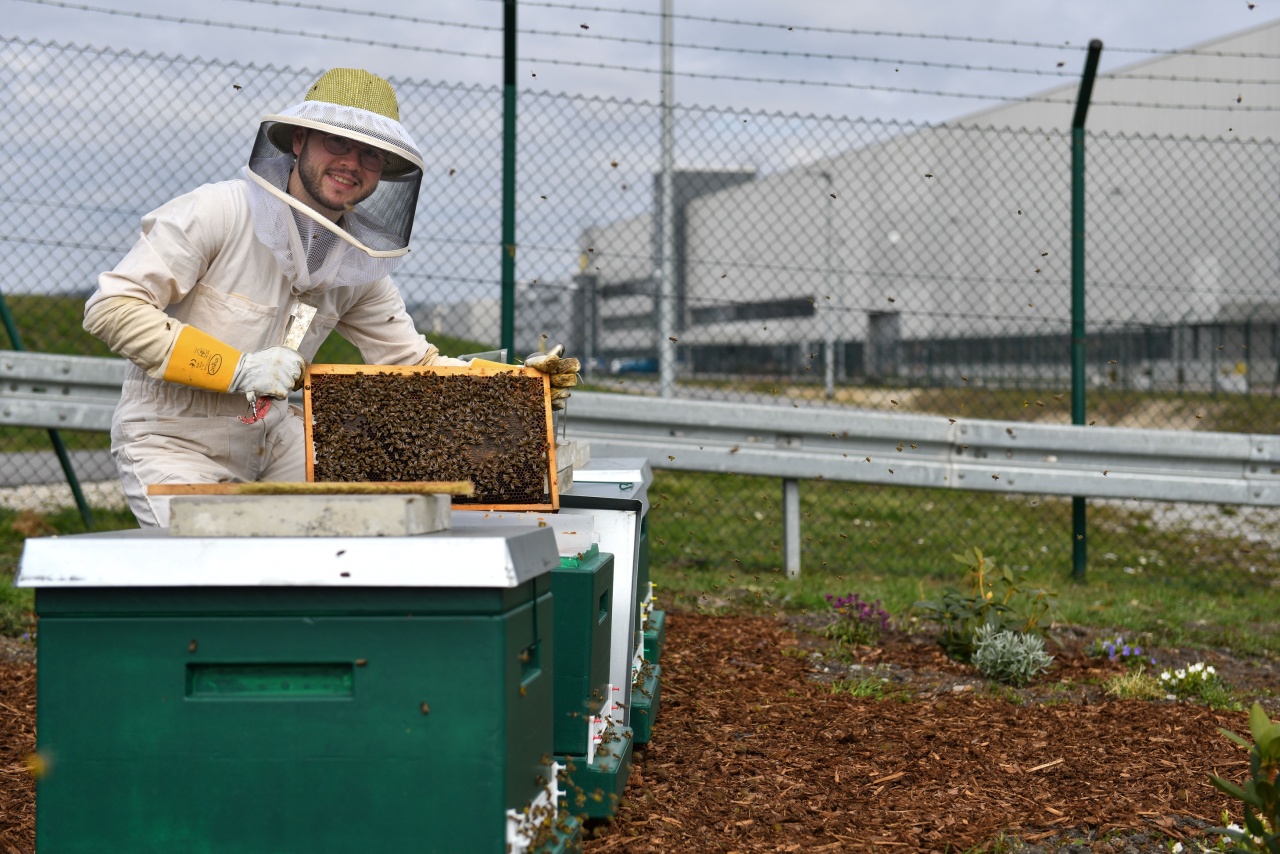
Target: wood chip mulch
750	753
753	752
17	741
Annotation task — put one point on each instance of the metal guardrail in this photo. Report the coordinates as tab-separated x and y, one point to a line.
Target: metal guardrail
931	451
59	392
927	451
79	392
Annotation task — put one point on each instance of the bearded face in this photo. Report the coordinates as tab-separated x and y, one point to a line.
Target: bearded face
330	183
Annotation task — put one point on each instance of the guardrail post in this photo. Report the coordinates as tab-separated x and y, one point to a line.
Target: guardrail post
791	525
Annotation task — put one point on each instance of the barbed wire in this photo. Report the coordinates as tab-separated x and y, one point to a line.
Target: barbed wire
870	87
747	51
891	33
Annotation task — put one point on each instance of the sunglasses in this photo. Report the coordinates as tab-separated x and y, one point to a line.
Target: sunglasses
371	158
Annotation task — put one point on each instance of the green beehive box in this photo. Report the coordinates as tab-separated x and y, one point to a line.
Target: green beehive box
594	789
646	695
285	717
655	636
583	590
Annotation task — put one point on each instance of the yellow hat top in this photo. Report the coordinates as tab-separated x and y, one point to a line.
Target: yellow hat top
352	87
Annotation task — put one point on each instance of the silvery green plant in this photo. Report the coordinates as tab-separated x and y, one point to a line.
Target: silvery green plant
1007	656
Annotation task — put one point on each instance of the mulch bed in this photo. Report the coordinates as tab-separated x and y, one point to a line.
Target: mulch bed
752	751
17	741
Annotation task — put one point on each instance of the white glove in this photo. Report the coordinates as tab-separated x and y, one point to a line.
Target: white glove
273	372
562	372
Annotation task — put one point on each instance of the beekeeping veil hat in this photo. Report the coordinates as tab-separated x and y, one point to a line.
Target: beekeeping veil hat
368	241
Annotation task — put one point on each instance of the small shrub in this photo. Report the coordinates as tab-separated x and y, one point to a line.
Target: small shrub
1260	793
1009	656
995	599
857	623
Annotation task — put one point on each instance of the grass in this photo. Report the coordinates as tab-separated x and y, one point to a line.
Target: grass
16	603
1134	685
872	687
716	543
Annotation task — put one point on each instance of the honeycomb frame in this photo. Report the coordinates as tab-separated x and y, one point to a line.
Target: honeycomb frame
397	424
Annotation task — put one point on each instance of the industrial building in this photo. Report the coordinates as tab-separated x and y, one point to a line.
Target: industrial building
933	252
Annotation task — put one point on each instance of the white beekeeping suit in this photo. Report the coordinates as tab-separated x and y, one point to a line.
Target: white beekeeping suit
201	305
201	302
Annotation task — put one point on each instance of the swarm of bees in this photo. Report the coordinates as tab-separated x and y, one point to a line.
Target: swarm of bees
384	427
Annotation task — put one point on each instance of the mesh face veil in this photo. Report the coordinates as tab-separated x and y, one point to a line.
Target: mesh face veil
370	239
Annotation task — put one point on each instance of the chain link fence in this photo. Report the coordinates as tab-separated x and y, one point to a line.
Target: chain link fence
818	261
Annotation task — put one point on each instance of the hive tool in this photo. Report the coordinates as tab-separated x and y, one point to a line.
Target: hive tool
300	316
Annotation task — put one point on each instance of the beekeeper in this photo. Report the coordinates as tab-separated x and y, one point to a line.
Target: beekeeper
231	289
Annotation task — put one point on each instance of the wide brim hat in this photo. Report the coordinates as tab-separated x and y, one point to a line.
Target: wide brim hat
355	104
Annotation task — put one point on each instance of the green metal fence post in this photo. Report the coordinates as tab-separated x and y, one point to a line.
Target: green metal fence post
55	438
509	177
1078	508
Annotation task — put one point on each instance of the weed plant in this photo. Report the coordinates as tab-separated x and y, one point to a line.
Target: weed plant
995	599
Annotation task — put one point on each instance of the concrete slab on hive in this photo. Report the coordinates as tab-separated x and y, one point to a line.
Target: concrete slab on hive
308	515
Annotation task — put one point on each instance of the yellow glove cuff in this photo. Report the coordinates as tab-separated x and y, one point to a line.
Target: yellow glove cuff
198	359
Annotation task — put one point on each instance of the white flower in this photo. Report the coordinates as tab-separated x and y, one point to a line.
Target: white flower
1181	674
1196	668
1165	677
1177	848
1210	669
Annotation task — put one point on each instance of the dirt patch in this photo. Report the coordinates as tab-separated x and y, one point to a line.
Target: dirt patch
753	751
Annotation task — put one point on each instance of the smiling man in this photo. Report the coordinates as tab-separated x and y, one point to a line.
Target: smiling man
231	289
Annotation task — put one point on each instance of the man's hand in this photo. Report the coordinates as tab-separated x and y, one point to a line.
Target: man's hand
562	372
273	372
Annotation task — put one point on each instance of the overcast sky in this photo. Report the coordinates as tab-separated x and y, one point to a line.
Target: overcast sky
461	41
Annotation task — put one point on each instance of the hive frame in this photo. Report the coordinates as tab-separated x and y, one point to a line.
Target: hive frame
553	490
